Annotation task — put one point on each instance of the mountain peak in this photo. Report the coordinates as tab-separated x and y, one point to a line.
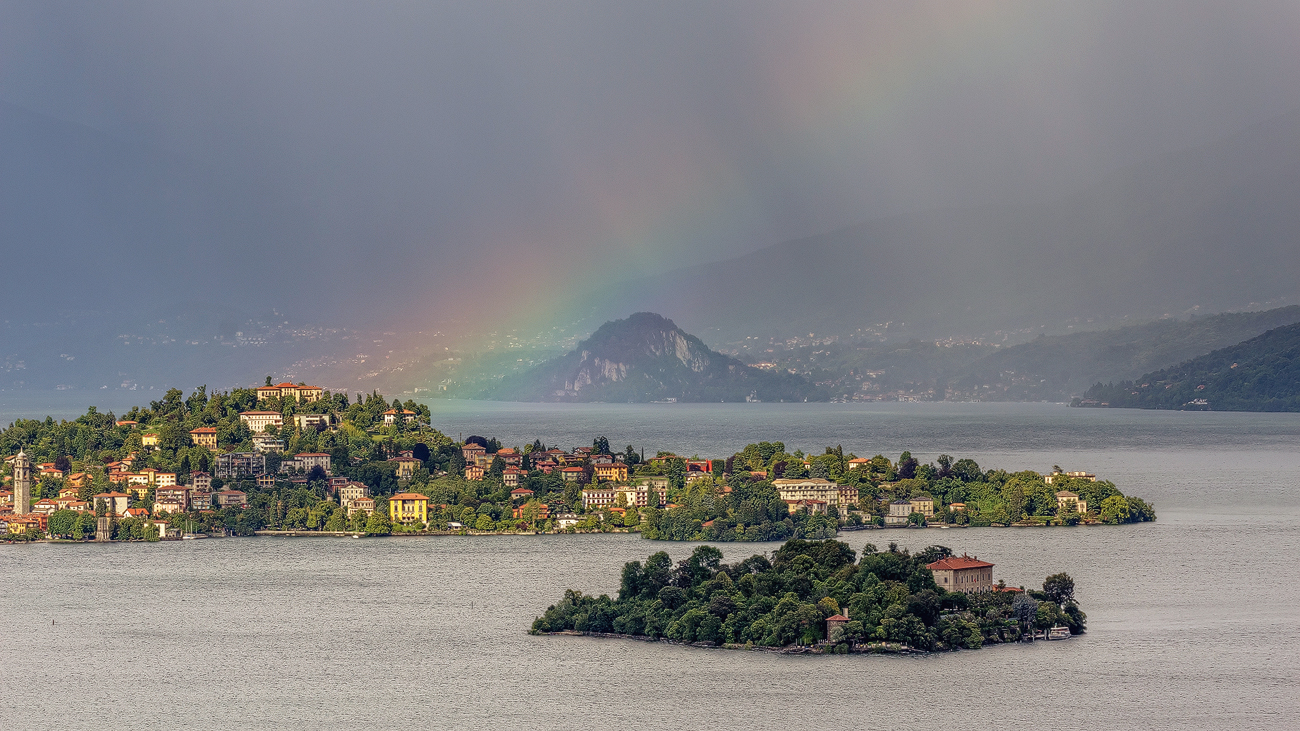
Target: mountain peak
646	357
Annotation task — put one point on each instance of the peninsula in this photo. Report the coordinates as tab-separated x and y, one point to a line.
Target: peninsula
816	596
295	458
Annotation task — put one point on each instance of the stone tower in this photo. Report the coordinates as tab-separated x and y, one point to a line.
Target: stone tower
22	484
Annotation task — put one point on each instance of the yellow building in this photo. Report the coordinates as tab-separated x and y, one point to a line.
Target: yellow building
204	436
408	507
616	472
148	440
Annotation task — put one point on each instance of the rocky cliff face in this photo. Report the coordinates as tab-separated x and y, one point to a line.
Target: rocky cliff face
648	358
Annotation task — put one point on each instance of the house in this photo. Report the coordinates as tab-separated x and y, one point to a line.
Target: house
571	474
149	439
164	479
63	501
512	475
200	481
44	507
1090	477
611	472
812	488
835	625
473	472
204	436
474	453
566	520
362	504
319	422
79	506
127	422
78	479
305	461
201	499
638	495
297	392
598	497
267	443
543	511
266	482
164	507
1067	501
899	512
405	466
138	513
234	465
392	415
257	421
350	492
69	491
602	459
408	508
510	457
848	497
229	498
658	482
114	502
25	523
923	504
521	493
957	507
181	495
49	470
858	463
966	574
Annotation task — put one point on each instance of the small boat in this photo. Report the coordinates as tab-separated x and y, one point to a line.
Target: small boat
1059	633
193	536
356	535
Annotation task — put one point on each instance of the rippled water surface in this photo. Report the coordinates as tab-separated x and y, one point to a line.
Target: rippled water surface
1193	620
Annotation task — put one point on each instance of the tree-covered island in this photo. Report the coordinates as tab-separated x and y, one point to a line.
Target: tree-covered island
297	458
818	594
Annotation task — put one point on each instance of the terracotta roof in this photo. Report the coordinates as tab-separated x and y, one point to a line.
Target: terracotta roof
409	496
521	491
837	618
571	469
204	430
259	413
953	563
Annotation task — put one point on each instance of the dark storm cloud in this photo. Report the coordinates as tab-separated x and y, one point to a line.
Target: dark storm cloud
372	162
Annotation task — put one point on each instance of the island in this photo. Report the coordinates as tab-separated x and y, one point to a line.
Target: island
291	459
817	596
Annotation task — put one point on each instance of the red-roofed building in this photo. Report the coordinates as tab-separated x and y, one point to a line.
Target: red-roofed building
204	436
473	472
512	475
392	415
521	493
966	574
571	474
294	391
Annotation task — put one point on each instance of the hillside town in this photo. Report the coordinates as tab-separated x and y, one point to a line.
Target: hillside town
292	458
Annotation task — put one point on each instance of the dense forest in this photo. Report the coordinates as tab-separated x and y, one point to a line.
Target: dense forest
1260	374
888	597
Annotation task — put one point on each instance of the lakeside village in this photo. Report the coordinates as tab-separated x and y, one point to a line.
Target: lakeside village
293	458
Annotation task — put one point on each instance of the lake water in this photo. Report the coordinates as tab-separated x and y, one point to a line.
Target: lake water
1192	620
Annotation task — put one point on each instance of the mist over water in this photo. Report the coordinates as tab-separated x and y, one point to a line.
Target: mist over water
1191	619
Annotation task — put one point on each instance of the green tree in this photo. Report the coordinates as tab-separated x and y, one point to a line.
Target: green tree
484	522
1059	588
63	523
1114	510
378	524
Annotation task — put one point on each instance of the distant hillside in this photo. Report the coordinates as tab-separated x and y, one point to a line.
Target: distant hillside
1051	367
1064	365
1214	226
648	358
1261	374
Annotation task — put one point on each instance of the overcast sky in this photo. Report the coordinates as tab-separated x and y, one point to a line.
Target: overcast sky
481	154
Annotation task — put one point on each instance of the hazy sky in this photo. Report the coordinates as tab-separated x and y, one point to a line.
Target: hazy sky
488	155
